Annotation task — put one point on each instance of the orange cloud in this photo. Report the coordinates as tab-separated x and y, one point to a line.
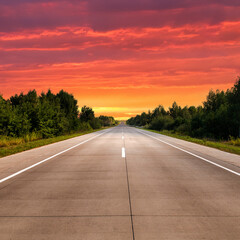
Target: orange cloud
120	58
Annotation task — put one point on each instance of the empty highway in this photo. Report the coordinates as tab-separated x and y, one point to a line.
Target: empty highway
121	183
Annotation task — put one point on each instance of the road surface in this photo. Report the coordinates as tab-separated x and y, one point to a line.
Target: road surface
121	183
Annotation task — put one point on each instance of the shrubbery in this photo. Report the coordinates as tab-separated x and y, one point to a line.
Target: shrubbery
218	118
31	117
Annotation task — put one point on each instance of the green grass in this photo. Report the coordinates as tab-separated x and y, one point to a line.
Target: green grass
231	146
11	146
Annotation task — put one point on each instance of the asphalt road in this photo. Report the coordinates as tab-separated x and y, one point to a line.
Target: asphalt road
121	183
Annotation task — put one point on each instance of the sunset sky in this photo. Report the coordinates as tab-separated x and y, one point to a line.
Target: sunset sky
120	57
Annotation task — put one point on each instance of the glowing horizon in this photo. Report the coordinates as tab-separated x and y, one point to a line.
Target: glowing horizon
120	57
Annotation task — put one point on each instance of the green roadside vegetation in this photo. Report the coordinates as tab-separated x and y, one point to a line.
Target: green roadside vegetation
31	120
231	146
216	123
15	145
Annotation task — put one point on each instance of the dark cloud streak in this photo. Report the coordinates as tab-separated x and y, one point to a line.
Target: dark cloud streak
104	15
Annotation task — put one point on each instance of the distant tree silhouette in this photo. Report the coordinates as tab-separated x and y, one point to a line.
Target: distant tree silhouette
46	115
218	118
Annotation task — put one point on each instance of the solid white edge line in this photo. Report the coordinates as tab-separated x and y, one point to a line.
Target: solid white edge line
36	164
204	159
123	153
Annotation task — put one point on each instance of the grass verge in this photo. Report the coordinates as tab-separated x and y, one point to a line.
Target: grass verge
9	150
221	145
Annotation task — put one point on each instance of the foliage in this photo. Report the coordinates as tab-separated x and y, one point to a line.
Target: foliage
218	118
87	114
95	123
30	117
107	121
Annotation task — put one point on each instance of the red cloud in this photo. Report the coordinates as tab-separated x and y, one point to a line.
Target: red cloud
107	51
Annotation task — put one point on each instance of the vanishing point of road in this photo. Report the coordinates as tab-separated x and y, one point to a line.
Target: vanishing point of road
121	183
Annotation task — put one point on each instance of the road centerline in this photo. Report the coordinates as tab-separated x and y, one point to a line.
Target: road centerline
123	152
128	184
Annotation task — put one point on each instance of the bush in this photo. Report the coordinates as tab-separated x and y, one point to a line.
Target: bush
218	118
162	122
95	123
235	142
30	117
184	128
84	126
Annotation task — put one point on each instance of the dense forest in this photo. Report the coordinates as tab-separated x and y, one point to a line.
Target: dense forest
218	118
47	115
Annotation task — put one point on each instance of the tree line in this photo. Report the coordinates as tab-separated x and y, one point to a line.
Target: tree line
46	115
217	118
